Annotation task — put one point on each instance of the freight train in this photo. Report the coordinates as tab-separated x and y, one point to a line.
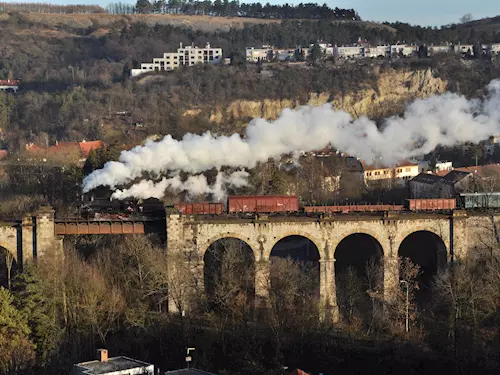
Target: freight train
279	205
289	204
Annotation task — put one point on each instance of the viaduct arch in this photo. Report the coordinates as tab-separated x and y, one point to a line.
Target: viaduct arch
327	234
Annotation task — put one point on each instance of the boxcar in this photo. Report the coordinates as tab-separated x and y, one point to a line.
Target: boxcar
262	203
354	208
480	200
200	208
436	204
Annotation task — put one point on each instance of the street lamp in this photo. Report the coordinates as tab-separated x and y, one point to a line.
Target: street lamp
188	357
407	302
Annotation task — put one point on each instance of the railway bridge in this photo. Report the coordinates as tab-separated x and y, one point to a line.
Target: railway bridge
336	242
332	242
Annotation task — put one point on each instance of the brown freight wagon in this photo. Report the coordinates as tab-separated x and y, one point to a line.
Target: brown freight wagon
354	208
200	208
262	203
435	204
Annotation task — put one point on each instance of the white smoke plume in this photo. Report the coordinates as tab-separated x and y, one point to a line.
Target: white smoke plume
446	120
194	185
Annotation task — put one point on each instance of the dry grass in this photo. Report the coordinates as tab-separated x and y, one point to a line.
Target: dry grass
204	23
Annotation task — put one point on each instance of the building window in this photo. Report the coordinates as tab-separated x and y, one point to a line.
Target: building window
408	169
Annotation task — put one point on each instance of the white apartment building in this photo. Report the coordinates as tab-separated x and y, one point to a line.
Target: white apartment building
350	52
266	53
186	56
439	49
464	48
404	49
400	173
376	51
495	49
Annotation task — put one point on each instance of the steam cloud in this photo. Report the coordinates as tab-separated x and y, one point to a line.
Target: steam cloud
194	185
446	120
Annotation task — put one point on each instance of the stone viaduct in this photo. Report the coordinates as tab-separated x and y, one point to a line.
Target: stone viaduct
457	234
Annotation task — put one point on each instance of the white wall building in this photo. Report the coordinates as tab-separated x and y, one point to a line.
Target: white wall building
495	48
349	52
9	85
439	49
113	366
404	49
187	56
464	49
376	51
259	54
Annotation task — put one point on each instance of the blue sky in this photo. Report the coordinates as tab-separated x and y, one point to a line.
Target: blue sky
421	12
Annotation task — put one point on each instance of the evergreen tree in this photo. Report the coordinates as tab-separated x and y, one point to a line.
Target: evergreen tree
16	350
42	314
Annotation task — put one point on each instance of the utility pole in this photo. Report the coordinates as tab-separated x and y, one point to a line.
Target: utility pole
407	304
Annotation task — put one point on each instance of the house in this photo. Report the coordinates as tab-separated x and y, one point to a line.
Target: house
67	151
185	56
9	85
113	366
427	185
188	371
399	173
87	146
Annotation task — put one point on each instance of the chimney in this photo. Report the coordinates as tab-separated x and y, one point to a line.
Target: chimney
102	355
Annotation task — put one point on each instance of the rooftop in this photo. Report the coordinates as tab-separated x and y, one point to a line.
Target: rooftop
371	167
455	176
427	178
487	170
111	365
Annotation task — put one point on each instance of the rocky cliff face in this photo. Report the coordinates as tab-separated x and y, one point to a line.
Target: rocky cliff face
394	89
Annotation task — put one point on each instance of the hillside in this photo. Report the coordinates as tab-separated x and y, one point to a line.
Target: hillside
483	24
201	23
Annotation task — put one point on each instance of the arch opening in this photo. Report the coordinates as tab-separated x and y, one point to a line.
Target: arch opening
229	275
295	267
428	251
8	267
359	276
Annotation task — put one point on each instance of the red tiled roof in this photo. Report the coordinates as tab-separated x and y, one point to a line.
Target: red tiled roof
481	170
86	147
9	82
82	148
3	154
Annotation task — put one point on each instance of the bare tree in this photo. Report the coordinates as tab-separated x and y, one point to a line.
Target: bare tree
293	307
374	281
466	18
9	263
402	305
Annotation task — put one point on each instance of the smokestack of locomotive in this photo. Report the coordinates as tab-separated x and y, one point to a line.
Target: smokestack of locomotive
445	120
